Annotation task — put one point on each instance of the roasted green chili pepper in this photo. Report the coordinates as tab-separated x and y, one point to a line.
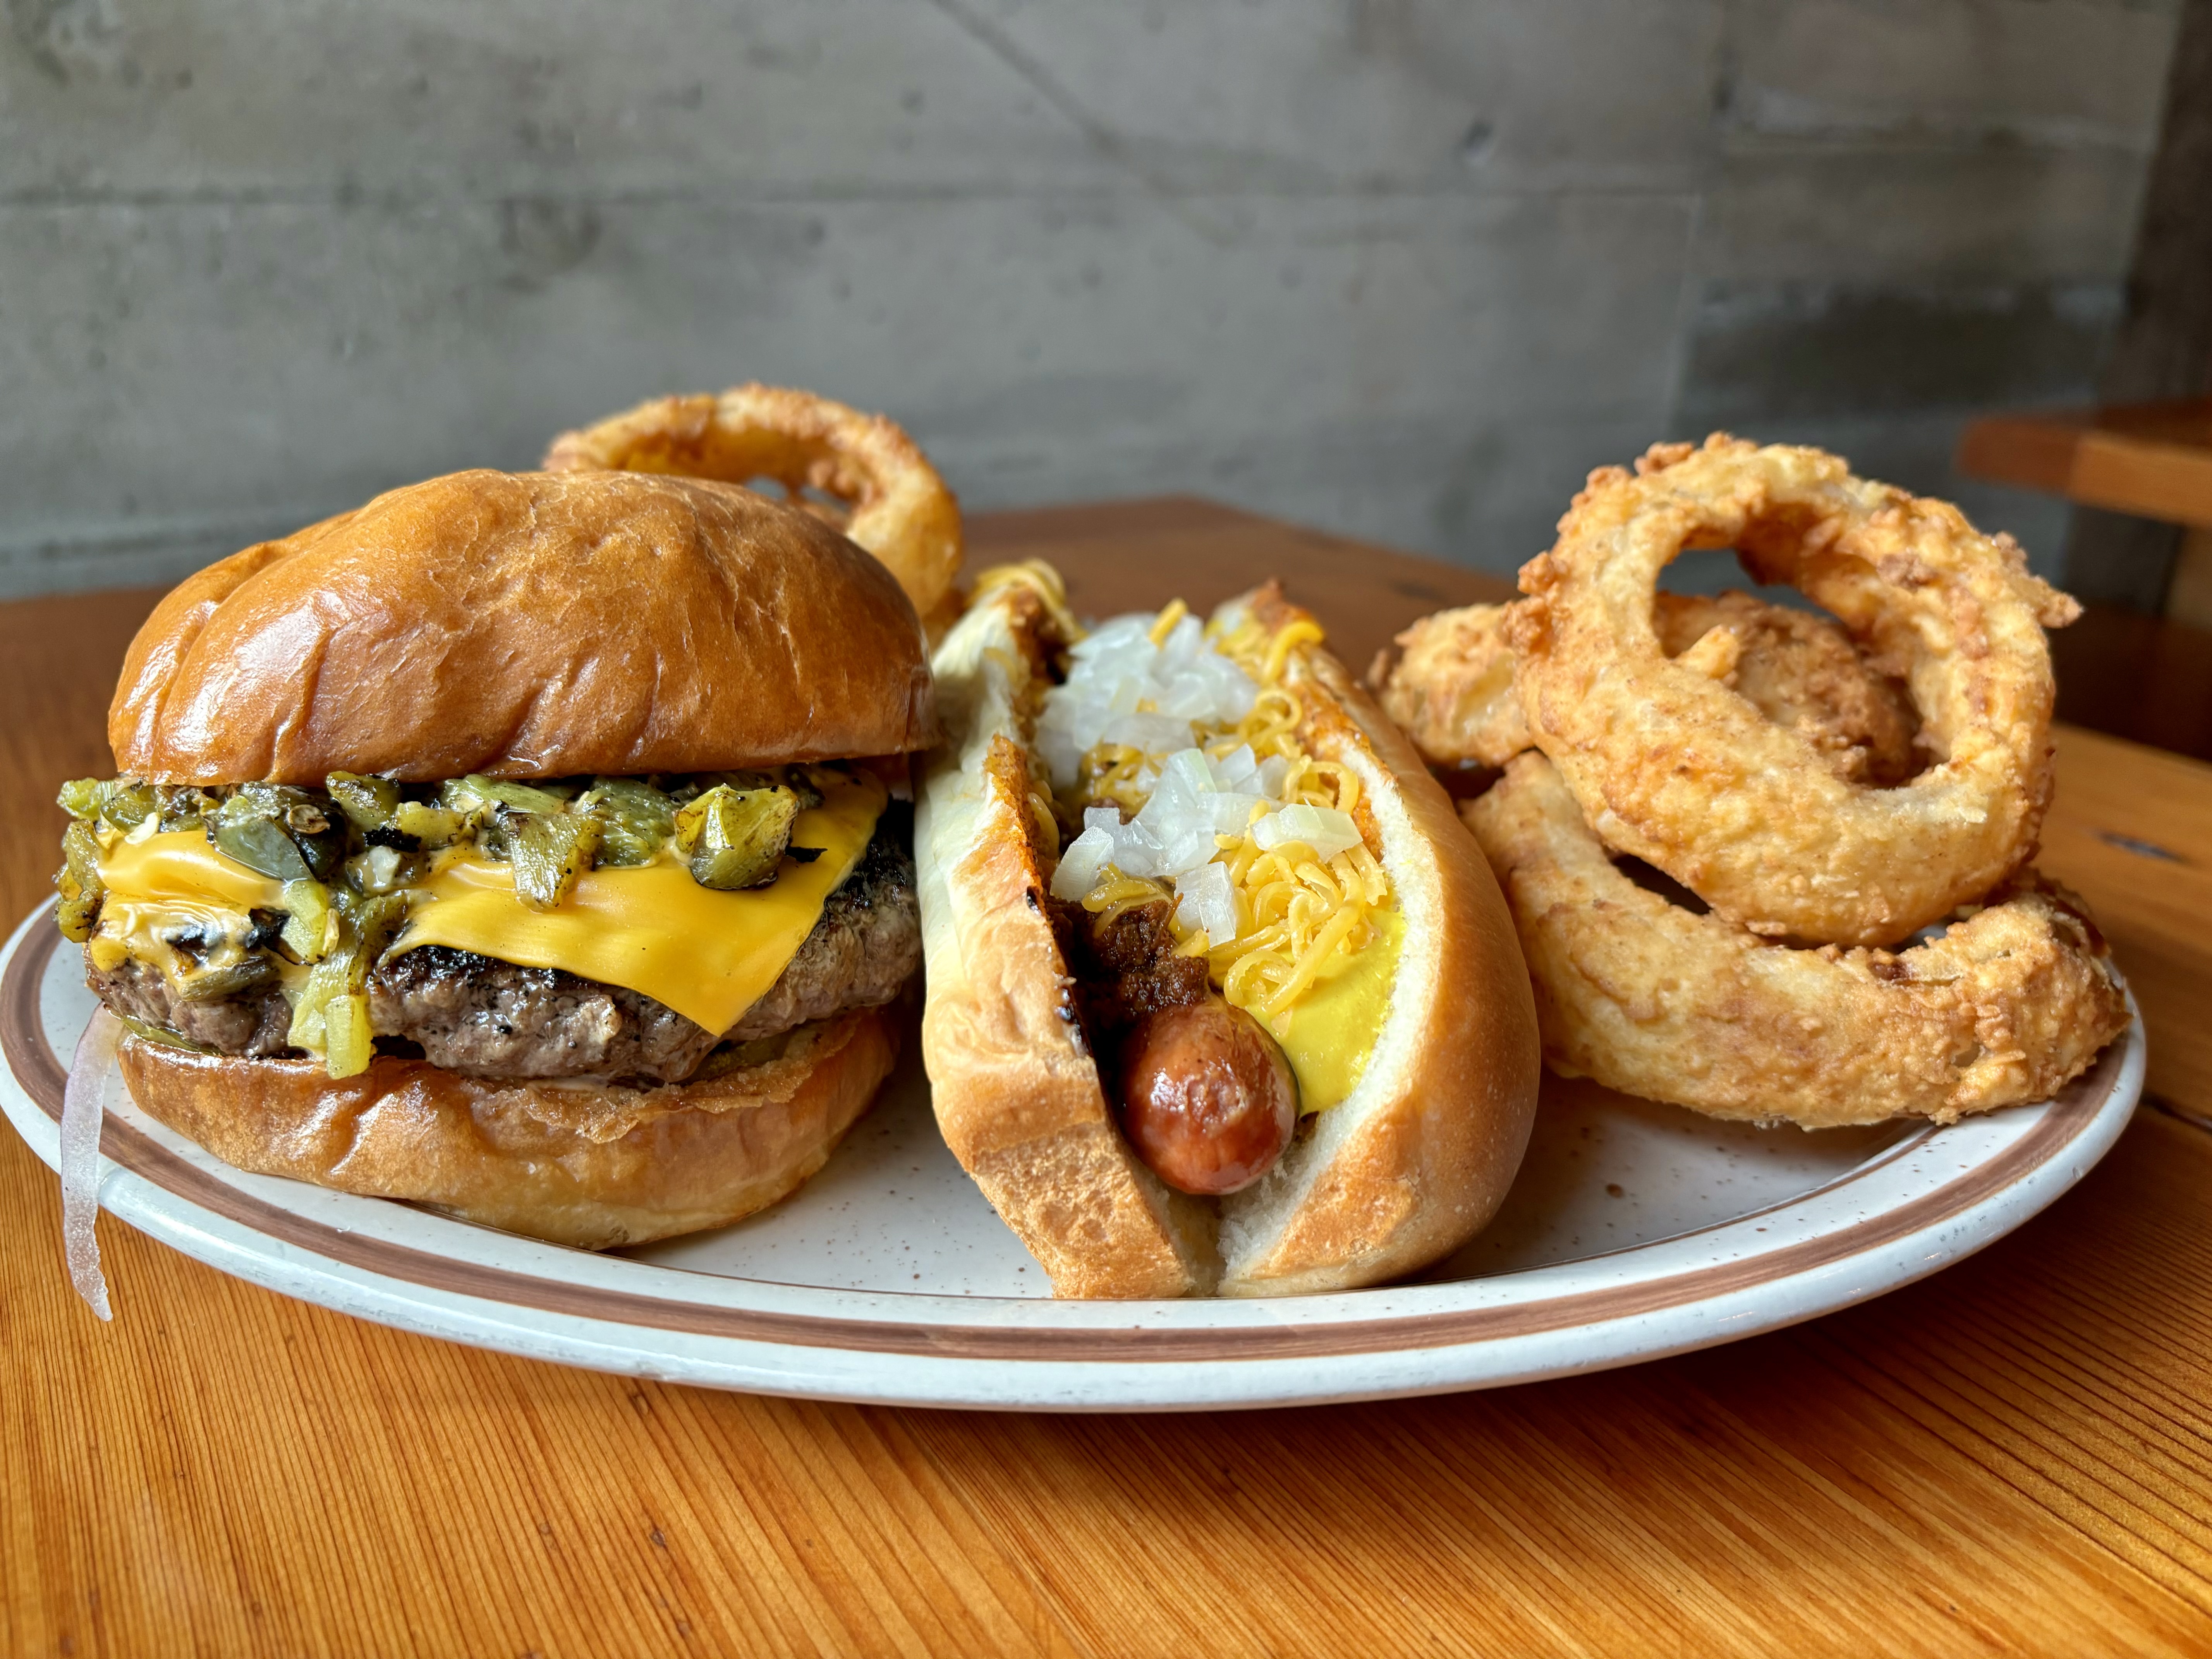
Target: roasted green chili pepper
226	978
279	831
307	920
183	805
366	927
126	804
548	851
735	838
368	802
635	820
476	794
167	1038
77	908
431	826
122	802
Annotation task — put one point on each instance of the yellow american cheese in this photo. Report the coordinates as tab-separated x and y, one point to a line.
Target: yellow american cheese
162	883
183	872
709	956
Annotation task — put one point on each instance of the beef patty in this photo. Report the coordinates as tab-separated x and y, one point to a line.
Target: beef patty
252	1022
470	1013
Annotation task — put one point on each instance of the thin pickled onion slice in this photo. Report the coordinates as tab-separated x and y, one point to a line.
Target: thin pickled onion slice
82	1111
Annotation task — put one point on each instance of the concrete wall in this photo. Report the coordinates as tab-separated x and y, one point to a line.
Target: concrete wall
1402	269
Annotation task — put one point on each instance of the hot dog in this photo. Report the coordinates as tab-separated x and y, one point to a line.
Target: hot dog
1221	997
1208	1101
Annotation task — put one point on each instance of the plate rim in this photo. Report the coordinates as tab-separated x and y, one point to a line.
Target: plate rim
1963	1213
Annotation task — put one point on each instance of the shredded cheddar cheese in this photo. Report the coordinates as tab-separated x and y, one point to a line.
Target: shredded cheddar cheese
1302	918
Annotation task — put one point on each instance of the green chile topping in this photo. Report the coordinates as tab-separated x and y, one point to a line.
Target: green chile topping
360	837
346	853
736	835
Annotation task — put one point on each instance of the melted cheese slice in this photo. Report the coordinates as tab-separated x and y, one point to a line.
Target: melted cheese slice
709	956
166	882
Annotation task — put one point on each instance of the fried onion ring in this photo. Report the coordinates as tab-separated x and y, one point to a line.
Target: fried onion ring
1670	766
1450	682
1648	997
884	493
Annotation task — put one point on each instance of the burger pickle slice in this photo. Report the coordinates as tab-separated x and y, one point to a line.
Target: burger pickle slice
336	963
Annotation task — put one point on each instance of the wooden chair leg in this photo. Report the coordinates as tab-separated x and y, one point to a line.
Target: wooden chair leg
2188	593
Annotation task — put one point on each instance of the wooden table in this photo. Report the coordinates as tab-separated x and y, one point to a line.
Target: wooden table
2154	460
2015	1455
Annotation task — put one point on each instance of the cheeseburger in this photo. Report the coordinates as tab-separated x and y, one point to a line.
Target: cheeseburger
524	846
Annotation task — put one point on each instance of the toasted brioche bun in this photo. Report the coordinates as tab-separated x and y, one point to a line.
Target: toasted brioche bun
527	625
1404	1170
576	1164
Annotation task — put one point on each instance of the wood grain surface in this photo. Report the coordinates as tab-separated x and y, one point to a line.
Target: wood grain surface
2151	460
2013	1456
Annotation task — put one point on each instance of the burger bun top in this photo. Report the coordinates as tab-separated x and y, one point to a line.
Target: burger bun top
527	625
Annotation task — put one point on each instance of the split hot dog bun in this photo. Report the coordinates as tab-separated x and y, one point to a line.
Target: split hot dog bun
1405	1167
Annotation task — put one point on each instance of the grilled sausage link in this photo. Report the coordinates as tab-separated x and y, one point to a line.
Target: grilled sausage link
1207	1098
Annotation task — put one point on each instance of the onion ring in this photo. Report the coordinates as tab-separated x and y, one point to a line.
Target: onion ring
1652	999
82	1109
1670	766
884	494
1450	682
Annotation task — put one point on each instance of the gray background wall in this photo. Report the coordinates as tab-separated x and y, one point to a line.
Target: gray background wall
1403	270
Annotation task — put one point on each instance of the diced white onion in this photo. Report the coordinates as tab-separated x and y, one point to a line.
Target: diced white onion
1180	819
1080	863
1151	732
1184	642
1188	696
1123	690
1191	769
1205	899
1136	852
1324	828
83	1109
1232	812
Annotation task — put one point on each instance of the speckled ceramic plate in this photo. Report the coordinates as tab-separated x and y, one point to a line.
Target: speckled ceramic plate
1633	1230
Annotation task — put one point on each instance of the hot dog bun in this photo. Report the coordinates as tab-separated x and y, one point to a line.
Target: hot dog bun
1402	1171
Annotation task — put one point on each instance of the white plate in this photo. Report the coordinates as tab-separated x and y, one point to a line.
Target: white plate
1634	1230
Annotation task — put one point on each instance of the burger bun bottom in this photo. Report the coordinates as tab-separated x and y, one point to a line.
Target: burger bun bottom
588	1164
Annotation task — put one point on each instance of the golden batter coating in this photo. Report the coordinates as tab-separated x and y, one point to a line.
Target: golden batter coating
1450	682
2013	1000
1671	766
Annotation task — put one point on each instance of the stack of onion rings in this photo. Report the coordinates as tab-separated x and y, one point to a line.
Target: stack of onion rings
859	472
1678	771
1767	760
1450	682
1645	996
